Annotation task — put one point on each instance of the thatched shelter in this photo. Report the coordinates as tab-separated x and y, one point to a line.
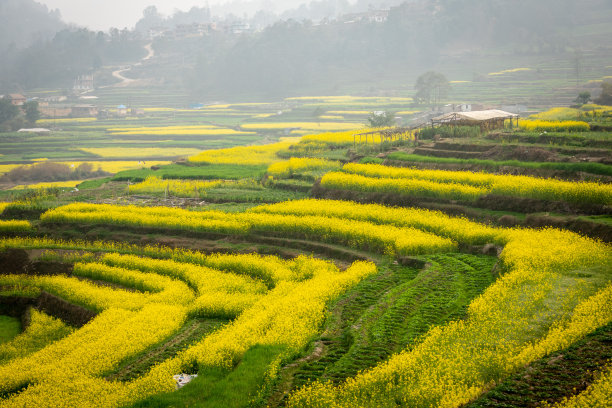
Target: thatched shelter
486	119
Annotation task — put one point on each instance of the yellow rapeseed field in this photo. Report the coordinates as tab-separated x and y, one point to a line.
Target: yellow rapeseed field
179	188
118	165
47	122
295	165
5	168
554	125
329	126
509	71
15	225
261	154
50	184
515	321
349	112
42	331
557	114
463	184
140	153
176	130
555	288
69	371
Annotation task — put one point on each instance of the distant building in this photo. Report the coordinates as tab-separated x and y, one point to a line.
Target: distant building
157	32
84	111
372	16
122	110
240	28
57	98
193	30
55	111
137	112
40	131
84	83
17	99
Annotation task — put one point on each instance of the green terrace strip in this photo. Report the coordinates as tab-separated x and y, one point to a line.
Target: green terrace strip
205	172
9	328
42	331
593	168
217	387
462	185
386	313
593	139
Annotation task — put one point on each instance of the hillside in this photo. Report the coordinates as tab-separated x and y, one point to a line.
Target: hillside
337	266
23	22
559	46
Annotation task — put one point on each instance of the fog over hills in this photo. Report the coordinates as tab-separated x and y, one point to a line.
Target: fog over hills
104	14
268	48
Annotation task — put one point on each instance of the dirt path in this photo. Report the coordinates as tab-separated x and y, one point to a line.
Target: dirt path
125	81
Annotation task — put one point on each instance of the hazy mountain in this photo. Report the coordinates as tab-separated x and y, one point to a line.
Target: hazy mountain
22	22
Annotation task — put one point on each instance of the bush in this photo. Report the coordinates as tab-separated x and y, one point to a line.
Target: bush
49	171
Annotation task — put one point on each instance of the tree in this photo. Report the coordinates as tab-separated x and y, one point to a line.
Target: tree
606	94
431	87
8	111
32	113
381	119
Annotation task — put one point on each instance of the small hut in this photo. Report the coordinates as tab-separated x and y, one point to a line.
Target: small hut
486	119
386	134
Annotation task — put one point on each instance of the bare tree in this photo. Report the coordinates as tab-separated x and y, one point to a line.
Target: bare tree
431	88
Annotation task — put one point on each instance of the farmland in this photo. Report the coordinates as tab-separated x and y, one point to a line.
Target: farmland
290	261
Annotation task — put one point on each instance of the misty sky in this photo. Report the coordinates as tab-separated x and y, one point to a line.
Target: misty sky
103	14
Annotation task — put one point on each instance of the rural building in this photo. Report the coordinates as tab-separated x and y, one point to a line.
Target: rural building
84	111
84	83
486	119
55	111
137	112
372	16
17	99
55	99
122	110
240	28
40	131
193	30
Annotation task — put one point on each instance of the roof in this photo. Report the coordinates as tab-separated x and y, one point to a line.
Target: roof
475	116
35	130
16	96
121	107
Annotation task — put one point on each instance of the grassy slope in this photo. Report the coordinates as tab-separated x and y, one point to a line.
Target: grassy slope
174	171
221	388
388	312
594	168
9	328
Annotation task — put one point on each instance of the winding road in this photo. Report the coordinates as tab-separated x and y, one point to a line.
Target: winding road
119	73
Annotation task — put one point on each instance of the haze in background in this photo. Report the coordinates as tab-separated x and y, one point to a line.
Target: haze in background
103	14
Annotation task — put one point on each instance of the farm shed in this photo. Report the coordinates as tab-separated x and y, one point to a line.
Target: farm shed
390	134
486	119
84	110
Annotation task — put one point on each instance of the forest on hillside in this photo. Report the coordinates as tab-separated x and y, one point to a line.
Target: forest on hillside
290	55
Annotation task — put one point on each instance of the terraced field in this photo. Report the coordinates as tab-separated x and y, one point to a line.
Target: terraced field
311	272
